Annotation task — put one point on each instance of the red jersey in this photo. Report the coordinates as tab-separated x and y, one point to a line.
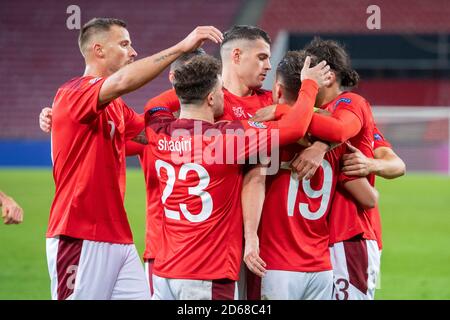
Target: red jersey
154	210
346	218
374	213
88	152
202	223
240	108
235	108
294	233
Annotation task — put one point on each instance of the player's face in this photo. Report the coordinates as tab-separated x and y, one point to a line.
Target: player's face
217	94
254	63
118	50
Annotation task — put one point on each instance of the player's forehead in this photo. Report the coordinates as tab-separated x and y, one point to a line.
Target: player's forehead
258	46
118	34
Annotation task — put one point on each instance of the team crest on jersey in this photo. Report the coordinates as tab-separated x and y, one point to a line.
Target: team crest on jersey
377	137
258	125
238	112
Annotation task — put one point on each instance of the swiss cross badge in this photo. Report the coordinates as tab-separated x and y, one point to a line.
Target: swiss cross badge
238	112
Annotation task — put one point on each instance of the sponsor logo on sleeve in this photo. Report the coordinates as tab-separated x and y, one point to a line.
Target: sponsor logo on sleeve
377	137
345	100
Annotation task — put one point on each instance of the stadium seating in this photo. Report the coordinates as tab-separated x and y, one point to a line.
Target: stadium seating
336	16
39	53
402	18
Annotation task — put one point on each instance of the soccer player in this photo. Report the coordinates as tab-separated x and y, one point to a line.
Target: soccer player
202	225
154	209
294	259
12	213
90	249
354	233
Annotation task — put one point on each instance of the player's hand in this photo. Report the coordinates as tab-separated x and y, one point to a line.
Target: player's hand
197	37
252	258
265	114
320	73
12	213
356	163
45	119
309	159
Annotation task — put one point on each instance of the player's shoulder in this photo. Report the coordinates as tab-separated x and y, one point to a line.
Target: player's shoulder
351	98
265	95
224	125
80	83
263	92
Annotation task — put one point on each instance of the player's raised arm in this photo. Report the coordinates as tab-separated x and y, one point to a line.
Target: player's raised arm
137	74
295	120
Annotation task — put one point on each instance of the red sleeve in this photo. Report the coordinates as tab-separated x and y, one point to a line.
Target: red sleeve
379	140
281	110
134	123
83	97
341	126
166	99
155	117
133	148
291	127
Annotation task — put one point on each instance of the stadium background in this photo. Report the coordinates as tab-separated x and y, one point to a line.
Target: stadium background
405	69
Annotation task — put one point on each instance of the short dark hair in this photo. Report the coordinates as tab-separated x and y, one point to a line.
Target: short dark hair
336	57
245	32
196	79
289	72
95	25
186	57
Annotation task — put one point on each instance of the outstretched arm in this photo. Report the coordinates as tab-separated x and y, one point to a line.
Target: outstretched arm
137	74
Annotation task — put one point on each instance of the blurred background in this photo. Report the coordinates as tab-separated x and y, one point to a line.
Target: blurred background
405	69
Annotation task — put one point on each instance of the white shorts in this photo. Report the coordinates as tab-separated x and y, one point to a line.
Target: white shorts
356	265
290	285
89	270
186	289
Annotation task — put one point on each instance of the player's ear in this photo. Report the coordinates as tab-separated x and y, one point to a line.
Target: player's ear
279	90
98	50
333	78
171	77
210	99
236	55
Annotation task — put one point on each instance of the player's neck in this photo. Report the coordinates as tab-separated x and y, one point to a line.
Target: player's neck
96	71
194	112
329	95
234	84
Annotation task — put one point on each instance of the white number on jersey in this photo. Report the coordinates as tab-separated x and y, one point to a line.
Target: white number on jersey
199	190
325	192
